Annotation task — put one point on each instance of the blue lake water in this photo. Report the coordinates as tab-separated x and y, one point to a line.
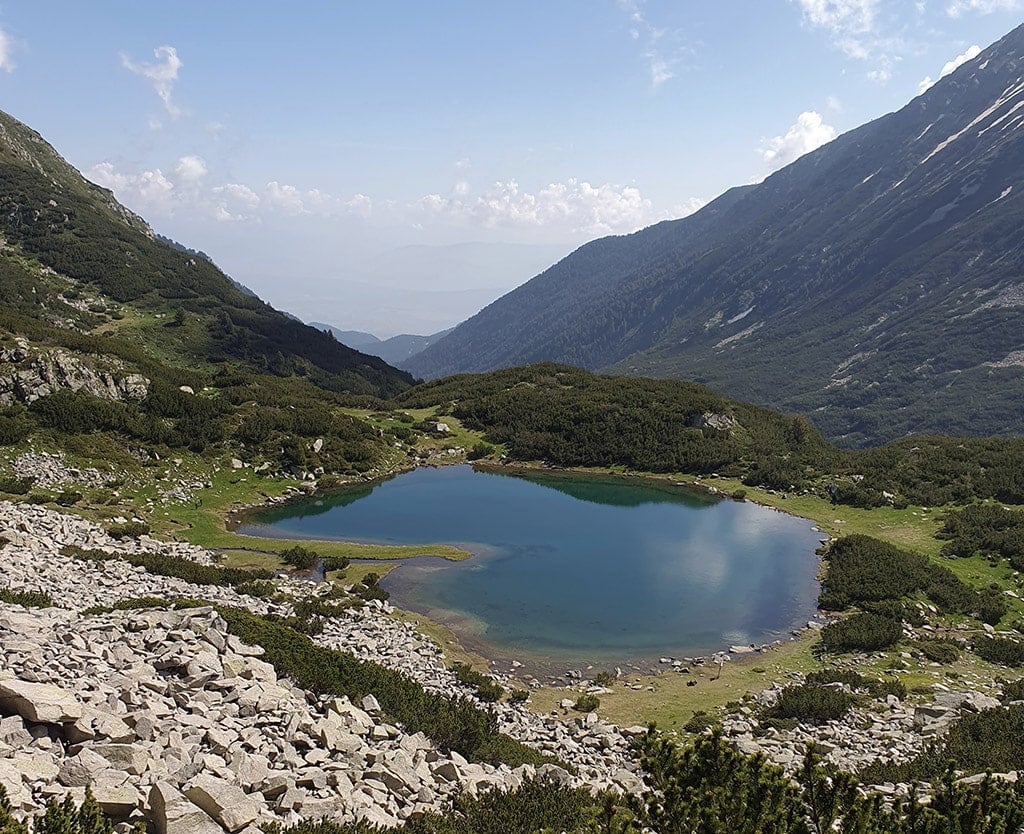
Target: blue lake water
577	569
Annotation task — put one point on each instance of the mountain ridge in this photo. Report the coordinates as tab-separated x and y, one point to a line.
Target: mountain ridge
870	284
52	215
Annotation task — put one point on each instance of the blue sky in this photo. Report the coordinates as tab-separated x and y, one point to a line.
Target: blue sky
393	166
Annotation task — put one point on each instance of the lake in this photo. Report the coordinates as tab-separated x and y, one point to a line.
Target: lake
572	569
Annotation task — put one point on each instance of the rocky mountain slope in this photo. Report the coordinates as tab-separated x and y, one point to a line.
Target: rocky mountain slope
72	256
873	284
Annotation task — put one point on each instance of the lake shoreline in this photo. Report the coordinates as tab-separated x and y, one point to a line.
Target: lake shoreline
686	635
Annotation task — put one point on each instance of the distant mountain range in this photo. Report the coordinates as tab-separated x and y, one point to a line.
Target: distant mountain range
395	351
876	284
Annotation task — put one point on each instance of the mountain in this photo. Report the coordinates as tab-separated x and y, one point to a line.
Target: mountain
399	349
353	338
395	351
73	254
874	284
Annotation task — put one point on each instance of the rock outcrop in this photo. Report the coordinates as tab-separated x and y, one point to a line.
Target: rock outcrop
27	374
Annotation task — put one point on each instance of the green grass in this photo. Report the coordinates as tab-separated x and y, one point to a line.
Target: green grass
204	525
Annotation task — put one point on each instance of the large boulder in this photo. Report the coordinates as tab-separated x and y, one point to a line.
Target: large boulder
173	813
223	801
118	801
40	703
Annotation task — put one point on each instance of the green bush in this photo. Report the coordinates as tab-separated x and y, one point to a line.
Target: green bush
59	817
876	575
259	588
939	651
861	632
587	703
486	688
811	702
175	566
300	557
699	722
877	688
370	589
13	430
16	486
26	599
68	498
1000	650
129	530
480	450
1013	691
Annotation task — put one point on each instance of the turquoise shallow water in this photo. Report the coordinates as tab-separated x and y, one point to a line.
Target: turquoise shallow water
576	569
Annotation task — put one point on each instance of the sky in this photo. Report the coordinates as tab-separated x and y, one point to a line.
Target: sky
395	166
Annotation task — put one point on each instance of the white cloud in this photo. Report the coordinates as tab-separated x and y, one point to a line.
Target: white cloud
190	168
161	75
285	197
855	27
106	174
234	201
6	52
969	54
154	187
960	7
360	205
573	206
662	49
844	18
834	104
805	135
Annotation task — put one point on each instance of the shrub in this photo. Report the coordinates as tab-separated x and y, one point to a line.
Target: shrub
878	688
875	574
811	702
1000	650
587	703
604	678
939	651
175	566
1013	691
128	530
369	589
518	696
480	450
26	599
69	498
699	722
12	430
137	603
16	486
259	588
300	557
861	632
486	688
